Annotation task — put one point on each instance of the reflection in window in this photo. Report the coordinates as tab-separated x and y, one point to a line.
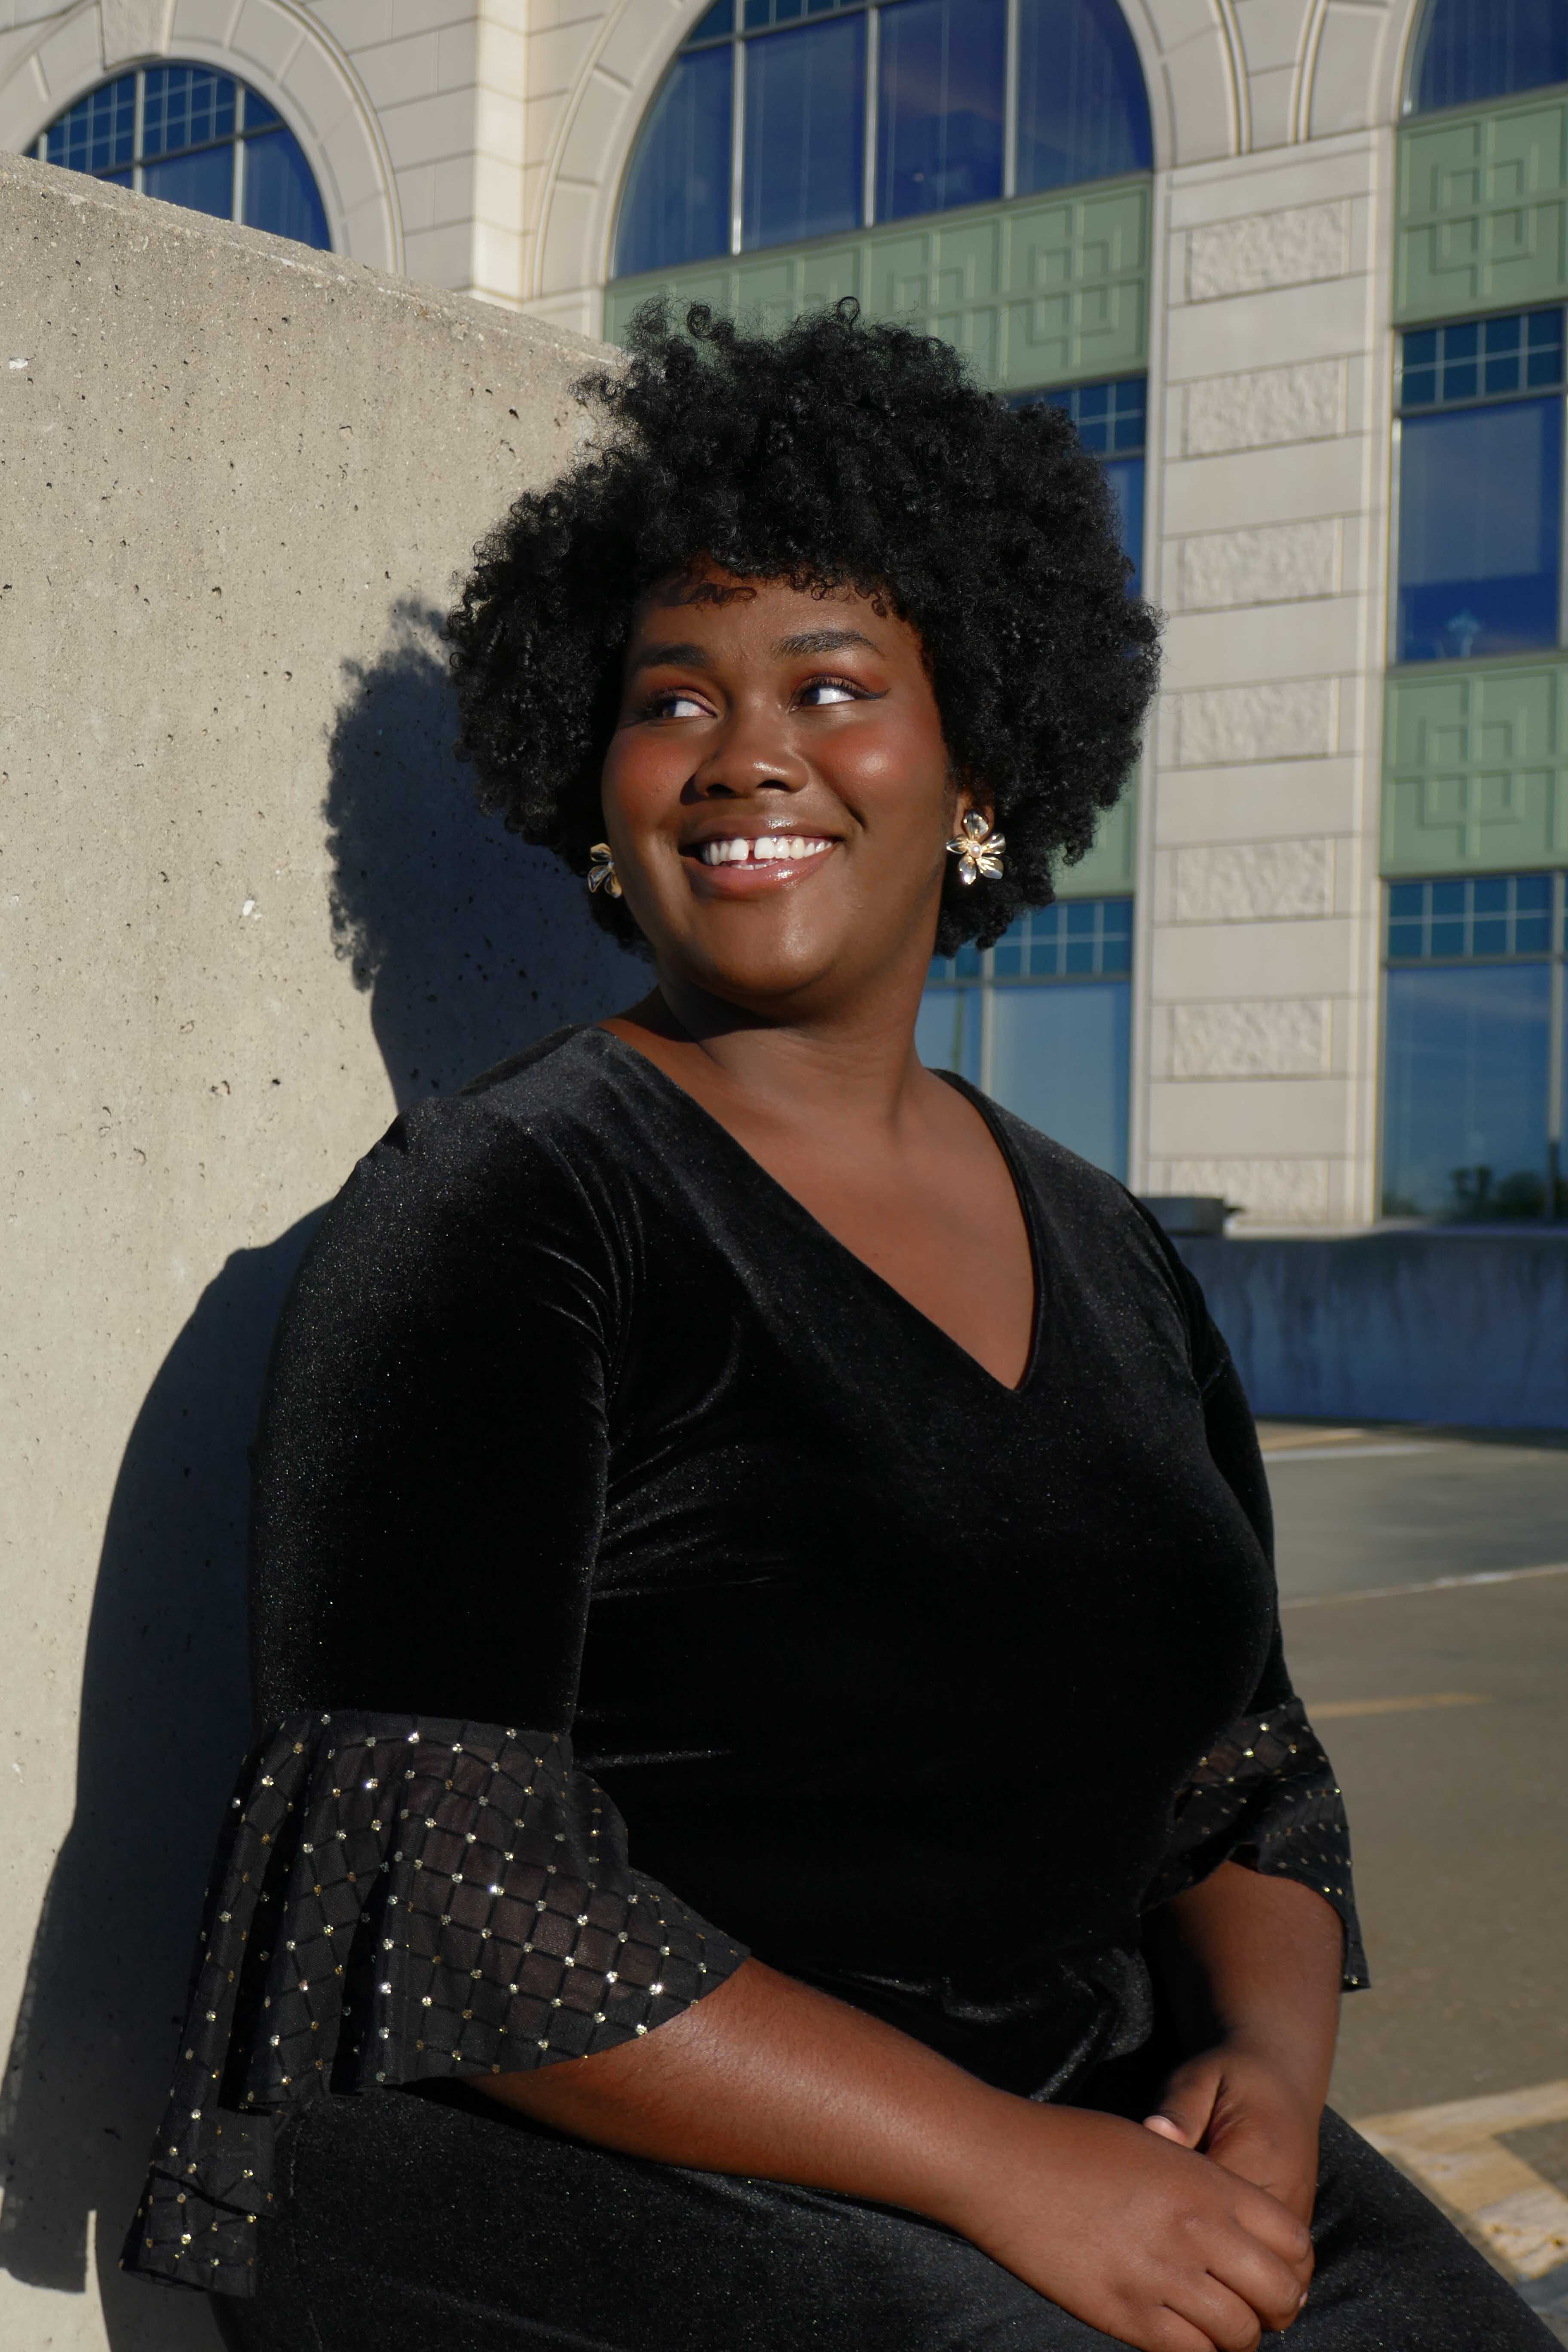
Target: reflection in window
1480	488
1471	50
678	196
806	113
1043	1023
1110	420
831	140
1472	1110
205	141
1082	112
941	107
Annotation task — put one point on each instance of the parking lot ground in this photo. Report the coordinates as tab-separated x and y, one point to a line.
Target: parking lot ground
1437	1674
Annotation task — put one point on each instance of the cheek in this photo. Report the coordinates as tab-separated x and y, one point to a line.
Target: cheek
896	773
641	778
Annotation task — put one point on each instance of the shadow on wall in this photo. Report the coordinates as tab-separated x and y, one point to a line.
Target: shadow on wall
469	945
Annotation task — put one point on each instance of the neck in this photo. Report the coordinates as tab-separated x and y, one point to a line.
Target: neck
854	1068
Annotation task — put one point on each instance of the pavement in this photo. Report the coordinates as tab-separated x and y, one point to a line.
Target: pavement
1423	1575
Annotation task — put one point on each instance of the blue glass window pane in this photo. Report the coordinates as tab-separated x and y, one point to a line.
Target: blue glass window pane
1532	892
98	132
280	193
1532	934
947	1031
1406	898
202	182
1126	477
966	962
718	20
676	207
1417	387
1007	955
1449	897
1421	347
1461	380
1469	50
1488	893
1480	505
186	106
117	179
1081	917
1448	939
1465	1099
1463	341
259	114
1489	936
1060	1057
805	109
1083	111
941	103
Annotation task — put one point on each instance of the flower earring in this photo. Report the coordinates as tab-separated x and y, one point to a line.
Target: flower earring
602	873
977	849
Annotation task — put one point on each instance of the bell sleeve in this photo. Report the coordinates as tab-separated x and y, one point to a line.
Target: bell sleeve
407	1887
1265	1795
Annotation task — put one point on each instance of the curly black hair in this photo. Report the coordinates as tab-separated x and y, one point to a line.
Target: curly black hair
834	454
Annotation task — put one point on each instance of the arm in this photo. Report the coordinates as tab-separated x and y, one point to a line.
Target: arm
1252	1965
771	2078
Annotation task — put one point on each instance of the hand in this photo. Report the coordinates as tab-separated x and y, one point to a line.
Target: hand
1240	2106
1159	2248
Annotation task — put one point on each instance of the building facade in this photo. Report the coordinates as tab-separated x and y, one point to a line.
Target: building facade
1297	269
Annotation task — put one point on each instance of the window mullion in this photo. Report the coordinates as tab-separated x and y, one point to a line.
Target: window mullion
1562	526
1555	1050
873	100
987	1018
1010	106
137	129
737	133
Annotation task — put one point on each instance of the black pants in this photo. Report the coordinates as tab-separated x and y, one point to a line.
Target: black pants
414	2224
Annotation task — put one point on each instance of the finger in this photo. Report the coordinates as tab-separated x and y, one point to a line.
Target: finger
1168	2128
1227	2318
1187	2101
1274	2227
1270	2286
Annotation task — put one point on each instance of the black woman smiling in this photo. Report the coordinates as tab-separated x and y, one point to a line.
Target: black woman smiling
780	1817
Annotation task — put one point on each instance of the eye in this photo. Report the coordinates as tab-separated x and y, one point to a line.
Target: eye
676	704
821	692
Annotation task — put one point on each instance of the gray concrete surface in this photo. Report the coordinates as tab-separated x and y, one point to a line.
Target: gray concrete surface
1456	1325
237	480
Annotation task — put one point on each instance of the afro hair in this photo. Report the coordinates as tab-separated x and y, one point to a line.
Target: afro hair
835	455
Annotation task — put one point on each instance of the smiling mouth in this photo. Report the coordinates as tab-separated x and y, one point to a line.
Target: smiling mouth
763	849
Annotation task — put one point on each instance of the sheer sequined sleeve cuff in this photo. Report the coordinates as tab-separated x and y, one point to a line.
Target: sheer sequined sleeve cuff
396	1898
1266	1796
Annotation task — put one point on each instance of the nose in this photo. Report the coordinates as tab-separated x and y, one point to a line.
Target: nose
749	754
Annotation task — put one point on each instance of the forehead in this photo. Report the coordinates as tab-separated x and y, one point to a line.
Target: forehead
712	607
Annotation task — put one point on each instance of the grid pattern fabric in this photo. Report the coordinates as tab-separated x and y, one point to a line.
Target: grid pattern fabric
1266	1795
1469	918
1481	359
397	1899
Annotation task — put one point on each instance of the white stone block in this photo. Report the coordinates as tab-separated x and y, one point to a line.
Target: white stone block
457	56
1264	408
429	129
1261	486
1276	327
1255	881
71	54
267	36
1276	1192
1347	69
1298	1117
1270	566
1299	246
134	30
1259	1037
555	57
1276	181
1255	804
397	73
1203	101
1196	962
1218	726
1264	644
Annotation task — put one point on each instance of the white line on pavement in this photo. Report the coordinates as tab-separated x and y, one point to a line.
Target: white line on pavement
1431	1584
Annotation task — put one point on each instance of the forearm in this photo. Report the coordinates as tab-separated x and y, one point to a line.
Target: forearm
1256	1958
768	2077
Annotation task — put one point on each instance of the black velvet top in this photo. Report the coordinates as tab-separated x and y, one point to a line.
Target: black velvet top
638	1579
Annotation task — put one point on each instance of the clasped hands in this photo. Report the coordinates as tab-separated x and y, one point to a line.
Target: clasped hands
1185	2233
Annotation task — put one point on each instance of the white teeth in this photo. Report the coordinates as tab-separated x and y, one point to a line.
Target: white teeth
768	847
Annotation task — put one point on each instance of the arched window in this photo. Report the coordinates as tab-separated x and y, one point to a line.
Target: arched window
784	120
194	138
1469	51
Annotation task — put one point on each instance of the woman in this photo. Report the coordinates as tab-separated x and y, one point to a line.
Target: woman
781	1818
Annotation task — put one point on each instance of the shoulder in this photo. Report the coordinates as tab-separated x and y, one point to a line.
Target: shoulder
522	1159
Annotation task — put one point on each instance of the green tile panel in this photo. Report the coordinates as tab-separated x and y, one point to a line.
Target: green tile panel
1476	770
1107	870
1045	290
1483	209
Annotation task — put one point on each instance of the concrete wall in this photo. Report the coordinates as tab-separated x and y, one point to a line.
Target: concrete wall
1458	1328
236	482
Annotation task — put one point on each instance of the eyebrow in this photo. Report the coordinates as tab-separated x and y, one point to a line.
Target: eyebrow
682	656
820	641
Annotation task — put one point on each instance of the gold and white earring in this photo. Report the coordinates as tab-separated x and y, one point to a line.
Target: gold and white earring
977	849
602	873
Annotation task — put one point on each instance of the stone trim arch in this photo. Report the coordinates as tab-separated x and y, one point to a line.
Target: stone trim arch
1196	103
1357	61
276	46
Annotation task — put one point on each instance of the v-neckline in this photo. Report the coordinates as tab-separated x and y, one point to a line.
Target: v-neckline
1022	1192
